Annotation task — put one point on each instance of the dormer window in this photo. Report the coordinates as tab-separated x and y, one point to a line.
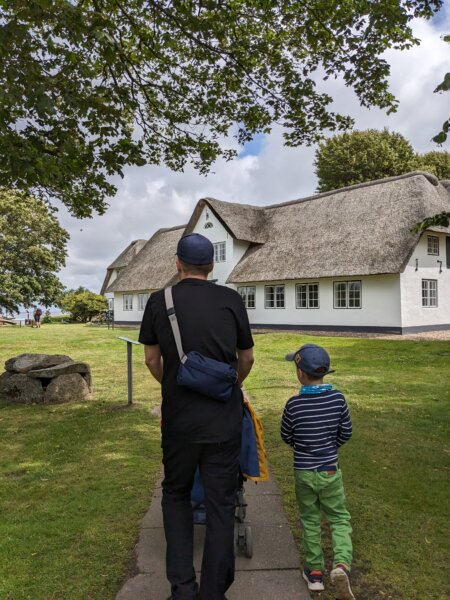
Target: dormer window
208	225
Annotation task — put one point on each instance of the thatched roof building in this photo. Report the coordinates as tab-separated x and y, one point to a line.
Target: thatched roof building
154	266
363	229
122	261
359	230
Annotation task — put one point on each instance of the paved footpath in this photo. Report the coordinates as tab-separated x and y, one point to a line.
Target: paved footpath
271	574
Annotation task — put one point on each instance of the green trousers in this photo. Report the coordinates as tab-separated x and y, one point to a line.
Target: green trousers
318	491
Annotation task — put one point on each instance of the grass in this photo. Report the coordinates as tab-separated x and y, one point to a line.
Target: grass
76	479
396	465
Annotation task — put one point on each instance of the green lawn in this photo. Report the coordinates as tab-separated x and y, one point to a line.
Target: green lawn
76	479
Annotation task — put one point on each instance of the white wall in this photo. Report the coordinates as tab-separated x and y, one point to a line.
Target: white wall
380	304
134	315
235	249
413	313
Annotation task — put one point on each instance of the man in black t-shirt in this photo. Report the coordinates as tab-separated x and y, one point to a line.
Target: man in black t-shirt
196	429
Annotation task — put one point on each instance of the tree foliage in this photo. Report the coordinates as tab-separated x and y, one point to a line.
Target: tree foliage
435	162
82	304
361	156
441	137
89	86
32	250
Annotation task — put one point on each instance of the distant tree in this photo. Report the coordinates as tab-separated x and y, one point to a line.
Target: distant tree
90	86
435	162
32	250
441	219
360	156
82	304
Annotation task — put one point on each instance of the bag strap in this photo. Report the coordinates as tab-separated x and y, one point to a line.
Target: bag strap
174	322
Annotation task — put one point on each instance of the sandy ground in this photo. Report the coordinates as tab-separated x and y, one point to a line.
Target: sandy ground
426	335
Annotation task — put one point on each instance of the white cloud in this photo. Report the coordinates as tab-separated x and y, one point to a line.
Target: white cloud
152	197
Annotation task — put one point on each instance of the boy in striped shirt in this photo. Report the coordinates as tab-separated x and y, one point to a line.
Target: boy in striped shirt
315	423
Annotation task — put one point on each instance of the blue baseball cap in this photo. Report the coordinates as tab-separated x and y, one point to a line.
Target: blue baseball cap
195	249
312	359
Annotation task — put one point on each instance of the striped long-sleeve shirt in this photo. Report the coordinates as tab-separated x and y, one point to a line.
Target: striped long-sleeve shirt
316	425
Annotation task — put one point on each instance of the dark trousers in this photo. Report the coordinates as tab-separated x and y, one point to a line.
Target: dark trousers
219	465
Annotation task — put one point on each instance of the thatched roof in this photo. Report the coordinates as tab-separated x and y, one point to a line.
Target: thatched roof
154	266
122	260
359	230
243	222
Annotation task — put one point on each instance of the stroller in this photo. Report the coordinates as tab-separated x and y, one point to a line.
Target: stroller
243	541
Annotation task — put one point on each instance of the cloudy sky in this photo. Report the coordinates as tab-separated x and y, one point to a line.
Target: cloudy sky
266	172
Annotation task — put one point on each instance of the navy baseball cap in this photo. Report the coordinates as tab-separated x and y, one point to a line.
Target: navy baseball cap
195	249
312	359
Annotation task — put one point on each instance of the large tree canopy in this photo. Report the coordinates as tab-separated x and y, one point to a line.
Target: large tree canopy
82	304
32	250
360	156
89	86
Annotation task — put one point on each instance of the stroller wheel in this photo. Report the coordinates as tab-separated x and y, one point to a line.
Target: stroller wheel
248	542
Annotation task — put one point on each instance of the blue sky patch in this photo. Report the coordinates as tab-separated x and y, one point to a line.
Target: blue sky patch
253	148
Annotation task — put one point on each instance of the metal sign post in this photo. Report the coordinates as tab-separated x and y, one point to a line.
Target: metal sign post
130	366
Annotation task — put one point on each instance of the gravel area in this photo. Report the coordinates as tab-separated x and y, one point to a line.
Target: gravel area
426	335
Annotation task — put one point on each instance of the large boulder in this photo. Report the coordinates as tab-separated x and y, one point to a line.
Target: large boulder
29	362
17	388
67	388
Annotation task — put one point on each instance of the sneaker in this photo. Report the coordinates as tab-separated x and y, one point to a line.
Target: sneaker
314	579
340	578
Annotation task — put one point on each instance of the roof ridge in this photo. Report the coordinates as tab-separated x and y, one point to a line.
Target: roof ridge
431	178
165	229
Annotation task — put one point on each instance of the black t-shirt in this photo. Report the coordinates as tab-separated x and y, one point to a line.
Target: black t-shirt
213	321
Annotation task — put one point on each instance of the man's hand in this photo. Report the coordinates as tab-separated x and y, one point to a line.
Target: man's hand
153	360
245	364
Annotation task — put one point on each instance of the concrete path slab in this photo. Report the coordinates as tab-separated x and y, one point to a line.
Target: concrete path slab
271	574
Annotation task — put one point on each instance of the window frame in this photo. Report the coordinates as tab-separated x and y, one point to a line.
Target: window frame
275	306
307	295
433	240
220	256
125	305
245	295
141	306
347	294
428	297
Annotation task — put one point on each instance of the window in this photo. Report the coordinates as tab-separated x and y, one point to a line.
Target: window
208	225
433	245
142	301
307	295
429	292
128	302
220	252
274	296
248	296
347	294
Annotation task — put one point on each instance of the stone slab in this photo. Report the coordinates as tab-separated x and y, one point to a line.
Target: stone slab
267	585
149	586
65	368
285	584
264	510
262	488
273	548
26	362
261	510
153	517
